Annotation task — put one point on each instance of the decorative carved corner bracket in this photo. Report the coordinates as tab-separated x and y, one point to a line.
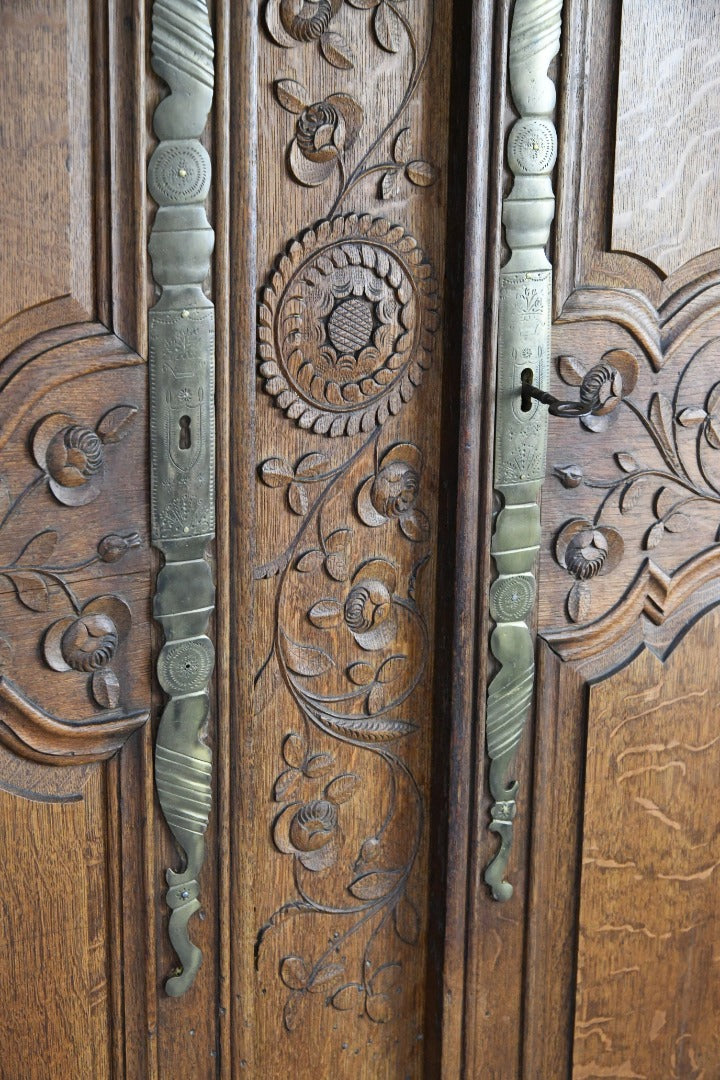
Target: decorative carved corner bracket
521	426
182	354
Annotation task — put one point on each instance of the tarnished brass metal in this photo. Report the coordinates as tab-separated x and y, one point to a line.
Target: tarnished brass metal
182	442
521	432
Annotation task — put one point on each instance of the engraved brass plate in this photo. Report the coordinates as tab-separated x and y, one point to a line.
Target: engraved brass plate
521	435
182	439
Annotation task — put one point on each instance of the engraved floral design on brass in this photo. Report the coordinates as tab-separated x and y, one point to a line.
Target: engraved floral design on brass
346	325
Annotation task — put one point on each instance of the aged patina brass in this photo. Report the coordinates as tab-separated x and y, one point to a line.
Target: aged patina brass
182	442
521	425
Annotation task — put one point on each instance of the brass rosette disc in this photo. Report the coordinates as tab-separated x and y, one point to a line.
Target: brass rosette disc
346	325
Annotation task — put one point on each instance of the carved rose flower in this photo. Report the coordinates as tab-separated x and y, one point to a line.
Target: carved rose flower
296	21
299	22
586	550
393	491
87	641
310	831
367	610
324	130
71	454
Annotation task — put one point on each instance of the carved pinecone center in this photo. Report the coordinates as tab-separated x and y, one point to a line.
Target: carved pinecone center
351	325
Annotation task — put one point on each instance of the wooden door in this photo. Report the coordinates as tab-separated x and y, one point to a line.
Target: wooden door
604	962
354	168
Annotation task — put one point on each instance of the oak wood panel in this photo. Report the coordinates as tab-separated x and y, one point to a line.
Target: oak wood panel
647	992
53	939
664	206
46	185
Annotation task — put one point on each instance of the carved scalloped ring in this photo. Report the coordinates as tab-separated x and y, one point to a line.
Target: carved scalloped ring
346	325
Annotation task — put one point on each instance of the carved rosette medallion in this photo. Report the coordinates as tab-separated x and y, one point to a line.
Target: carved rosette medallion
346	325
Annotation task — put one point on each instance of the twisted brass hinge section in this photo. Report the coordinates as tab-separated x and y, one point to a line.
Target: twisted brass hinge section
521	424
182	443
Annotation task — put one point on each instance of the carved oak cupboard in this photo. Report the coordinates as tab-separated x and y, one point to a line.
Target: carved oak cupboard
359	567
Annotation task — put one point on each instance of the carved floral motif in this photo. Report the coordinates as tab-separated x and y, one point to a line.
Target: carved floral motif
327	129
666	485
70	456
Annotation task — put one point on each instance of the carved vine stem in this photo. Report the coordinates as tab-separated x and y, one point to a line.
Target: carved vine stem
181	335
521	436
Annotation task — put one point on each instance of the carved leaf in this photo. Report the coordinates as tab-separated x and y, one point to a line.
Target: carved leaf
374	884
364	5
677	523
370	850
375	699
292	95
360	673
388	28
578	601
379	1008
5	497
336	50
5	656
106	688
326	614
319	765
391	668
115	424
39	548
385	978
294	972
371	728
571	370
310	561
342	787
415	525
421	173
293	750
336	566
691	416
311	465
402	148
632	493
292	1010
266	682
32	590
407	921
389	185
665	499
351	996
285	784
304	660
276	472
298	499
321	980
627	462
654	536
661	417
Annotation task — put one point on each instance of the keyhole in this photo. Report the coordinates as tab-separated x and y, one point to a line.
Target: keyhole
185	439
526	379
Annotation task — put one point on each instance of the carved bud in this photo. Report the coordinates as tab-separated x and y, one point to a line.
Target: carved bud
113	547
